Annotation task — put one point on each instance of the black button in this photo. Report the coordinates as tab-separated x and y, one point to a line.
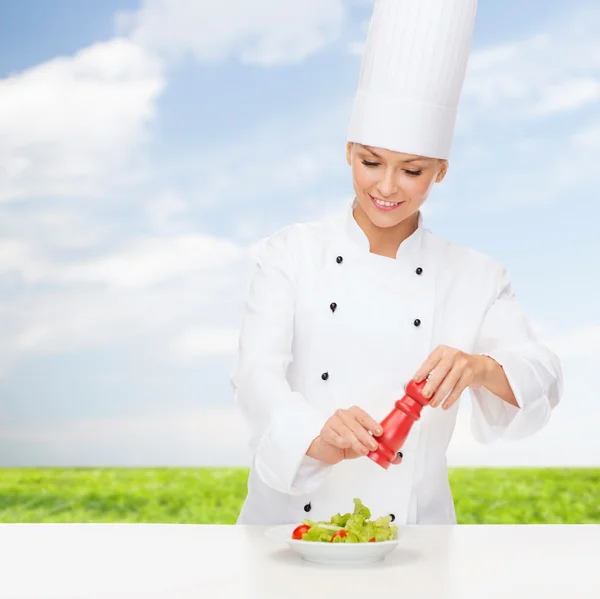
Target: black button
333	306
399	454
325	376
393	517
419	270
417	322
307	507
339	259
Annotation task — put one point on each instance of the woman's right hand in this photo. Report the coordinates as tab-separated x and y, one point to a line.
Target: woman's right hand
347	435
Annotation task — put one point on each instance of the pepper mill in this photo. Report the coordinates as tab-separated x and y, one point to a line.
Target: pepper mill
397	424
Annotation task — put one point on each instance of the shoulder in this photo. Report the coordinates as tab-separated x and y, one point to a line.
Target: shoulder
470	264
295	243
297	236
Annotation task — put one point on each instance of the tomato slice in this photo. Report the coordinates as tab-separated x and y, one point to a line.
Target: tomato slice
340	533
299	531
372	540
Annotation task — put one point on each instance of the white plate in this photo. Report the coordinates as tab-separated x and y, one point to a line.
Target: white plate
332	553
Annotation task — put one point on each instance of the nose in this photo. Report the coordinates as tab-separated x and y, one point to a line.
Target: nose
387	186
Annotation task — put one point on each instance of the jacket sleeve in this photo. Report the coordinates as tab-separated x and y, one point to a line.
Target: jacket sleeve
533	372
281	422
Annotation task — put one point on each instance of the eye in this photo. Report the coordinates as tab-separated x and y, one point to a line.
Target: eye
367	163
413	173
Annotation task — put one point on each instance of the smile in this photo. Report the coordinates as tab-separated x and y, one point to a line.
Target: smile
383	205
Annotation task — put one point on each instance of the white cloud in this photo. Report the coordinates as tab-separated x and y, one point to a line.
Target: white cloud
182	293
152	261
155	292
357	48
18	257
511	88
570	94
74	126
588	138
144	262
70	125
582	342
204	436
44	226
164	213
203	342
547	73
547	448
275	157
263	32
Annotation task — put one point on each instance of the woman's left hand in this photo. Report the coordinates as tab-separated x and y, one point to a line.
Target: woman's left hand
450	372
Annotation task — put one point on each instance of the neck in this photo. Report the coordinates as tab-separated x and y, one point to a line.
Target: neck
385	241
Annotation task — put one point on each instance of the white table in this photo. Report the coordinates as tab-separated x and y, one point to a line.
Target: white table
153	561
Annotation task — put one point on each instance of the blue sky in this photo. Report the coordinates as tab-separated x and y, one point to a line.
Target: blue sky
145	146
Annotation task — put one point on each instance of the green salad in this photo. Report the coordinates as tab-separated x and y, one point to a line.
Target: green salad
355	527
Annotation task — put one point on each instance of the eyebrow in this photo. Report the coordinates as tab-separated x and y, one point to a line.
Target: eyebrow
380	158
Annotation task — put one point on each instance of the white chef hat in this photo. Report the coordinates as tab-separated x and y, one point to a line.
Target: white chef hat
412	75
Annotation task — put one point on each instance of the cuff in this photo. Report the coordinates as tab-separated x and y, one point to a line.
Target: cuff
521	377
310	476
492	417
281	460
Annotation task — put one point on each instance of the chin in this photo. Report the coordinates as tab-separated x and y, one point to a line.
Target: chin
383	220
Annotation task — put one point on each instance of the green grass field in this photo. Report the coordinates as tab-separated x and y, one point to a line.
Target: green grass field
215	495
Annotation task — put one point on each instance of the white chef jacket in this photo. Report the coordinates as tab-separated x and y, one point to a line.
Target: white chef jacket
328	324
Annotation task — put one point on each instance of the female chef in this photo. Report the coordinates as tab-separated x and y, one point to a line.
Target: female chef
342	312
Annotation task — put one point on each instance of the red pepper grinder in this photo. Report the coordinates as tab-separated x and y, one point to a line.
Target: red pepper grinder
397	424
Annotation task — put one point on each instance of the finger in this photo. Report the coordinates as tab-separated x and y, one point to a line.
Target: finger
341	429
441	371
398	459
427	366
333	435
350	454
337	440
369	423
366	441
458	363
354	432
446	386
460	386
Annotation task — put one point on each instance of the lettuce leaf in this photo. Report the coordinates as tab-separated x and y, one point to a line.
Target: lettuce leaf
360	509
316	533
340	520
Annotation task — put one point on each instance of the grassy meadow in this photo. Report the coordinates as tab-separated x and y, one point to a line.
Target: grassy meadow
215	495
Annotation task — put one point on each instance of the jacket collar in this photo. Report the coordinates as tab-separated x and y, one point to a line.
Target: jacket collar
410	247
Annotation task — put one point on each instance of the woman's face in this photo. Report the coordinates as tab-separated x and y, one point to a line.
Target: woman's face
402	180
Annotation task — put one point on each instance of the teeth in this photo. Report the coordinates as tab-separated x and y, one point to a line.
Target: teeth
387	204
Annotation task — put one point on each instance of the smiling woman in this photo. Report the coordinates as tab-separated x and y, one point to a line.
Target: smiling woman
390	188
344	312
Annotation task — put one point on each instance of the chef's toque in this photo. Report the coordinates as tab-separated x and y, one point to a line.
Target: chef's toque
412	75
